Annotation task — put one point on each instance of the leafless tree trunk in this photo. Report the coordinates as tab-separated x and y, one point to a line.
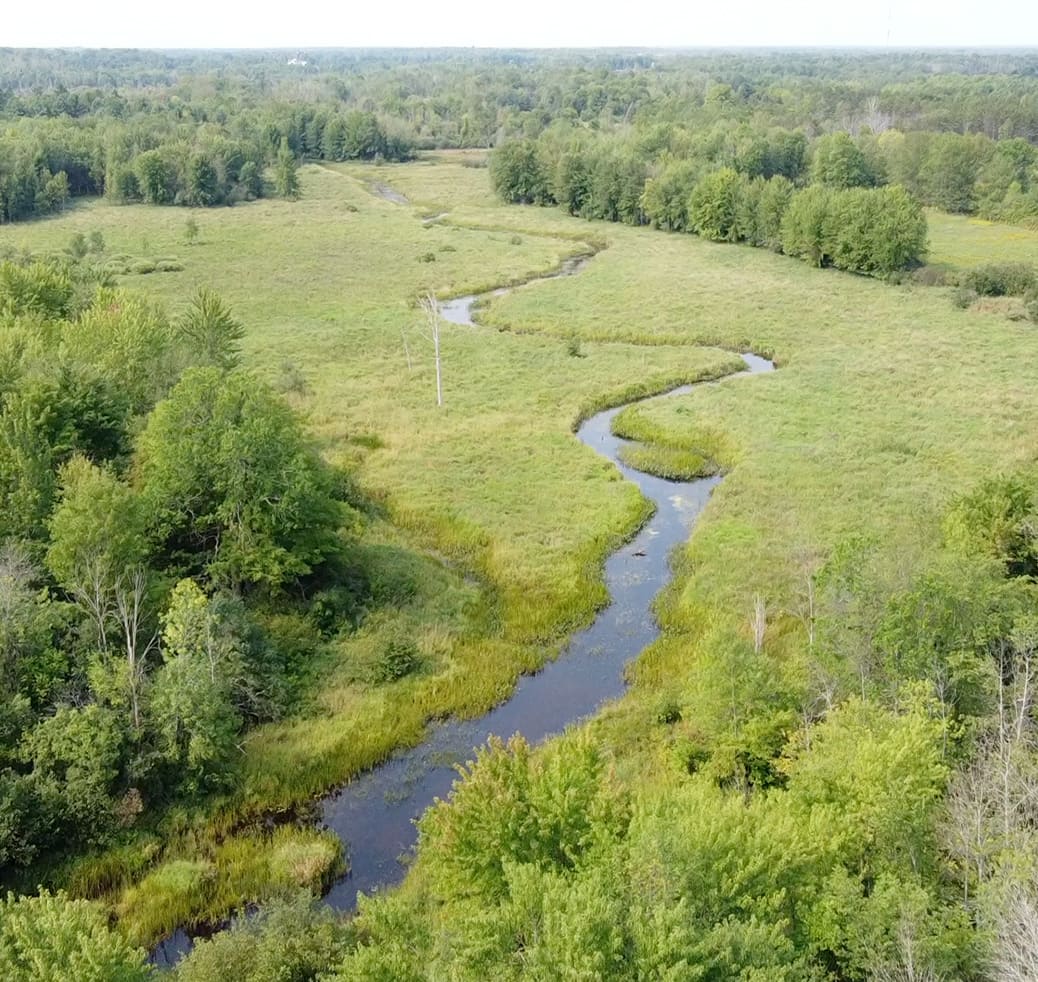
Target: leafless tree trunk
129	605
431	307
991	804
759	623
407	350
93	593
1015	958
908	965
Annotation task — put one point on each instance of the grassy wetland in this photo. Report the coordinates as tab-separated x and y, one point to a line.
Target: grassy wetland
491	522
485	524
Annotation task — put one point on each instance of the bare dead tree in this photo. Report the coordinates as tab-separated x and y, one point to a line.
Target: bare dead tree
991	804
758	623
130	593
91	589
431	308
908	964
407	349
874	117
1015	955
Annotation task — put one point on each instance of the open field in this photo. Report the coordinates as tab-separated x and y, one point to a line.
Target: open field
888	401
957	242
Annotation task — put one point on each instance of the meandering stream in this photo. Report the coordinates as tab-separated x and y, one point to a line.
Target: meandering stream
374	815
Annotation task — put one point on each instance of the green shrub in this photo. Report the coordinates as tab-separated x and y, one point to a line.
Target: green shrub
930	276
78	246
291	379
427	257
1000	279
142	267
169	266
289	940
50	937
399	658
964	297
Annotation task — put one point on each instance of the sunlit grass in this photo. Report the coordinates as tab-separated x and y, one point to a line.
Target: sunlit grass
958	242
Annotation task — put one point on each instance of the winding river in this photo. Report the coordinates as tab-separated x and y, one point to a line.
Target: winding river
375	814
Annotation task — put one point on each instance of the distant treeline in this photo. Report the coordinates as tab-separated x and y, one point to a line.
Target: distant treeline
451	97
168	156
955	129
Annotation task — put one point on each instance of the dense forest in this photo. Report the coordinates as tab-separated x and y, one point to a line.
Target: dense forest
956	131
843	793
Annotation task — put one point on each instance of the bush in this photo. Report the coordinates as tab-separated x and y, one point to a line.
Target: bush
291	379
1000	279
78	246
427	257
930	276
400	657
51	937
169	266
964	297
142	267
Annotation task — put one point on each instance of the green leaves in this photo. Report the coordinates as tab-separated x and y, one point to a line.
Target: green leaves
211	331
233	488
51	938
552	811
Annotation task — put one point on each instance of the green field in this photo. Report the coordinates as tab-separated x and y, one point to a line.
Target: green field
492	521
958	242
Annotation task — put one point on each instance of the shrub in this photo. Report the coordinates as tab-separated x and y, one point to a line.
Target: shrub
1000	279
930	276
169	266
51	937
399	657
427	257
291	379
78	246
142	267
964	297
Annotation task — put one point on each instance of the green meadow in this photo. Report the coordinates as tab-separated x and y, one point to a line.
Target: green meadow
486	524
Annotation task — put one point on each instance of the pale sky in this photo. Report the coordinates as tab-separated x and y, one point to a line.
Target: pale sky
526	23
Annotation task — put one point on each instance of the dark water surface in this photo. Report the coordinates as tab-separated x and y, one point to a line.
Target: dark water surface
374	815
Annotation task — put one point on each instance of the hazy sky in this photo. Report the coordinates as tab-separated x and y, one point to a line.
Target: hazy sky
527	23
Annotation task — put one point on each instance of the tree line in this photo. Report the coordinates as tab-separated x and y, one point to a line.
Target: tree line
160	158
171	559
839	220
